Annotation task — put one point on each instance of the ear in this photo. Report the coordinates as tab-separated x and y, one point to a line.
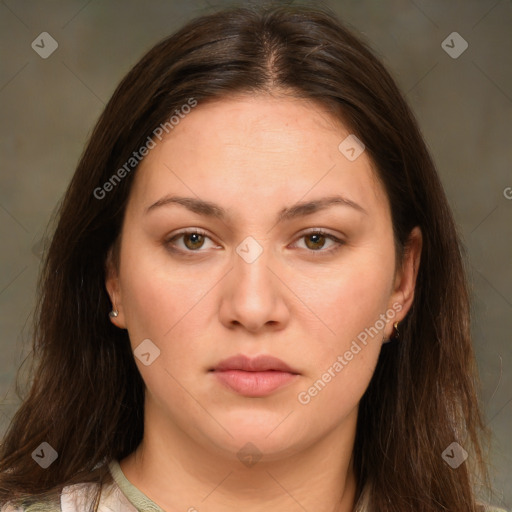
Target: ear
405	279
114	290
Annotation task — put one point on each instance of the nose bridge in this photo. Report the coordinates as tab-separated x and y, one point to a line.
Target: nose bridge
251	267
254	290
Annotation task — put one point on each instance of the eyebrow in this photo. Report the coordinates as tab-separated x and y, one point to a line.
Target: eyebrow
210	209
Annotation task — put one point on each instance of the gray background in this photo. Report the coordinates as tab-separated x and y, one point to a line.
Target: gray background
464	106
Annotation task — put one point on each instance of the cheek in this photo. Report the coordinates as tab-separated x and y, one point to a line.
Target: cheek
147	301
350	303
160	303
342	362
337	390
166	303
349	298
156	291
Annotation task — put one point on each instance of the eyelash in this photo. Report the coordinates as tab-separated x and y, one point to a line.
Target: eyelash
319	252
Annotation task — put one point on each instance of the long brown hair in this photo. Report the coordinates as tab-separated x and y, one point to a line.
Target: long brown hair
86	399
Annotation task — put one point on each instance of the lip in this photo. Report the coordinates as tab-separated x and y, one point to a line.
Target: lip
254	377
259	363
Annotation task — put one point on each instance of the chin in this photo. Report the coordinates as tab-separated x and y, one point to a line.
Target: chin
257	441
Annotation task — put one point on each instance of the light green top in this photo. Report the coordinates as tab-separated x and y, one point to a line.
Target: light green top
118	495
136	497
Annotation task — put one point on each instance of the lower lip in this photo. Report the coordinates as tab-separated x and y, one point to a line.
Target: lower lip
254	384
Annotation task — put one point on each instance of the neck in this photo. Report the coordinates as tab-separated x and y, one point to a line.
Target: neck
178	472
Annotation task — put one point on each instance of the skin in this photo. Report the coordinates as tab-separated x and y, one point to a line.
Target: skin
299	302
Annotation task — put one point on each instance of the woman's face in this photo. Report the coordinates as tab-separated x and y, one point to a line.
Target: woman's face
259	279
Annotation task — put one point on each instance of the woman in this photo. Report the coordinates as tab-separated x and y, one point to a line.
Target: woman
254	295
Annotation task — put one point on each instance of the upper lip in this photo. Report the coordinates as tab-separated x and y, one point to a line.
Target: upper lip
259	363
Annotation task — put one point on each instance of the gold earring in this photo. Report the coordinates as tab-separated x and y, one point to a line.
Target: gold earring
396	333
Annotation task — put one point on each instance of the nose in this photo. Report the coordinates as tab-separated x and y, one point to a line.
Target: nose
253	295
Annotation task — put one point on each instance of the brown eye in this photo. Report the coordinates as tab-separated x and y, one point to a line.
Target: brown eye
193	240
317	241
189	242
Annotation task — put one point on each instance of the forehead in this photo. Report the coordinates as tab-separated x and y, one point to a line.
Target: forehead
256	150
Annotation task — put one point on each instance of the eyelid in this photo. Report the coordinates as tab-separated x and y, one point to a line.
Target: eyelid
317	231
321	231
187	231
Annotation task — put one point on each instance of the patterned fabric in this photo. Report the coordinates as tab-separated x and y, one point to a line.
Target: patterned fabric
122	496
118	496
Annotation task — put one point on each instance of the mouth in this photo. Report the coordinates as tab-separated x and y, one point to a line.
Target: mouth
254	377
